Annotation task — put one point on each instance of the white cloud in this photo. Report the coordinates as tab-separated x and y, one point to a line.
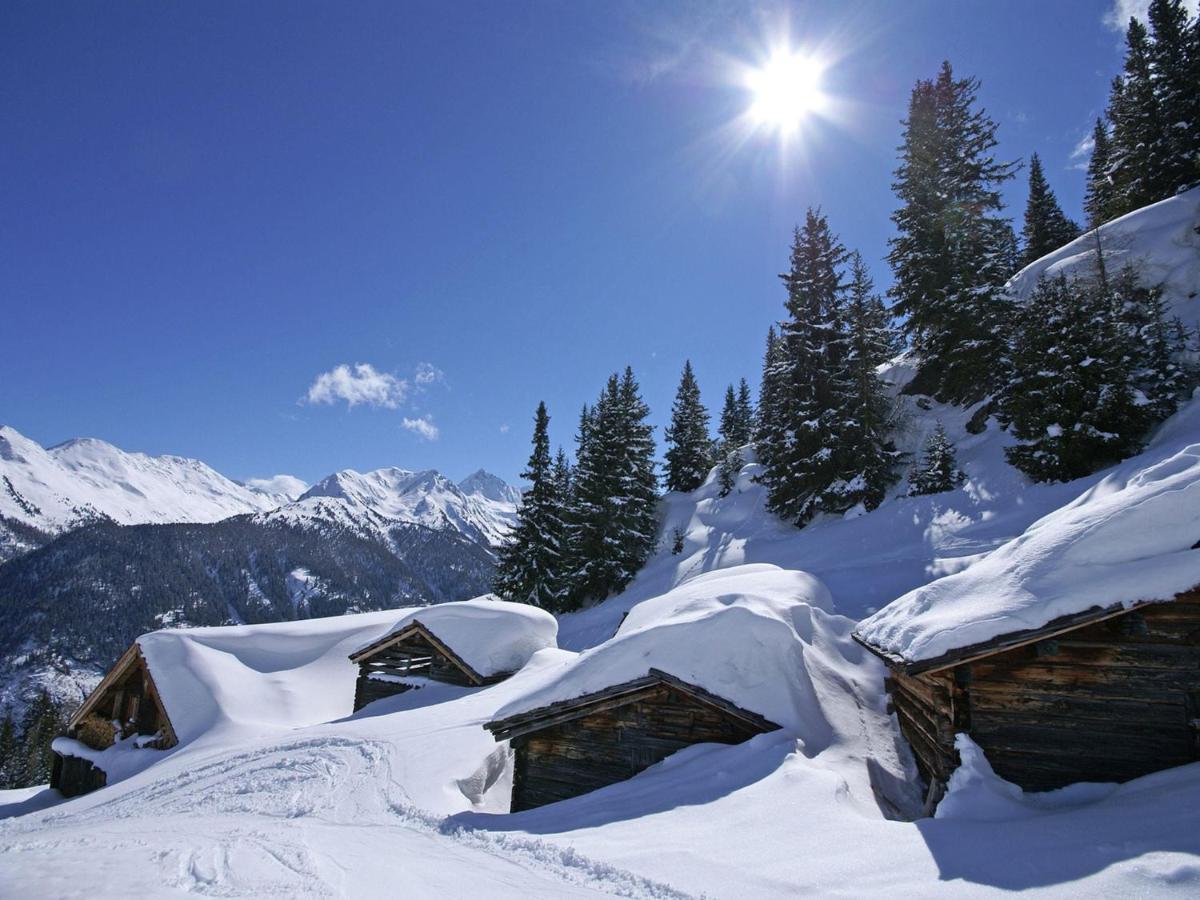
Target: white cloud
504	428
1083	152
422	427
362	383
428	373
1118	16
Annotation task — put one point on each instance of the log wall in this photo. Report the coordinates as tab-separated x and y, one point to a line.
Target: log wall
412	656
73	776
1109	701
614	744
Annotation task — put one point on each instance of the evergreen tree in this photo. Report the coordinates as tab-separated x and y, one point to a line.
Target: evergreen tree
866	455
1100	200
44	720
802	462
1138	138
1046	226
744	414
689	456
768	427
953	251
735	431
1175	74
9	753
1070	401
1156	347
530	565
938	470
612	526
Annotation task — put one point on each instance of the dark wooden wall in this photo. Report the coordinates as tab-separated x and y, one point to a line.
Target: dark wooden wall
613	744
413	656
73	776
1106	702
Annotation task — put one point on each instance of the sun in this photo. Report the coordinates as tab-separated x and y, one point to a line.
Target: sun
786	90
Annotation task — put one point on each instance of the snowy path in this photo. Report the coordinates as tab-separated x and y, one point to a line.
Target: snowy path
319	817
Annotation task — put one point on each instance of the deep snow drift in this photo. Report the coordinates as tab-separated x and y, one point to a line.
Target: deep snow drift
1131	537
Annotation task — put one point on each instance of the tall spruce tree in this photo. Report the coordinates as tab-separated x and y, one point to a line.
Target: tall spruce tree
1175	68
768	426
1100	200
689	453
530	566
803	459
612	524
736	429
1046	226
866	455
9	752
938	470
953	250
745	413
1138	138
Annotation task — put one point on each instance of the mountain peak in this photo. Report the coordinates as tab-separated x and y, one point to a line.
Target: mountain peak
493	487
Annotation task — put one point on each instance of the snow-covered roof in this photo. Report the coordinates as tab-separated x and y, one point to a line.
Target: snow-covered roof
748	634
1128	539
1160	239
490	635
257	677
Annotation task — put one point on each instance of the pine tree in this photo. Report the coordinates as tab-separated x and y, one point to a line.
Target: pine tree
689	456
1156	347
1138	139
1175	74
953	251
734	431
42	723
768	426
744	416
1046	226
1100	200
802	462
530	565
9	753
612	526
866	456
1070	401
938	470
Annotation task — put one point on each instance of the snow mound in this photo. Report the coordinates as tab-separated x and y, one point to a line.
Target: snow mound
761	637
1160	239
1127	539
490	635
247	679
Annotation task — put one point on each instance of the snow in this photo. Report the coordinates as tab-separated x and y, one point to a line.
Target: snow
1127	539
490	635
279	489
1160	239
483	508
758	636
56	488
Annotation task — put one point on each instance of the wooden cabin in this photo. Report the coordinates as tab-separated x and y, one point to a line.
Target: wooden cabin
124	704
575	746
386	666
1104	695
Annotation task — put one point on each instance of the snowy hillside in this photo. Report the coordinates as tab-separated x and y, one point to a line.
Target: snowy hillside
84	479
1161	240
482	507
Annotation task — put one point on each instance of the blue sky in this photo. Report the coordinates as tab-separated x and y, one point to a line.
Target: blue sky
221	223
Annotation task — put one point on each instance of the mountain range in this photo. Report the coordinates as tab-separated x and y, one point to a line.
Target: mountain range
45	492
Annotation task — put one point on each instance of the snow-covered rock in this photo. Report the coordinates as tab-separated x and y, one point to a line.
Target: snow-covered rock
1129	538
490	635
370	502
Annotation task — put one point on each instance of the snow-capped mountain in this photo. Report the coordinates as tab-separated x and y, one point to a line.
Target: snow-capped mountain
482	507
50	490
280	489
